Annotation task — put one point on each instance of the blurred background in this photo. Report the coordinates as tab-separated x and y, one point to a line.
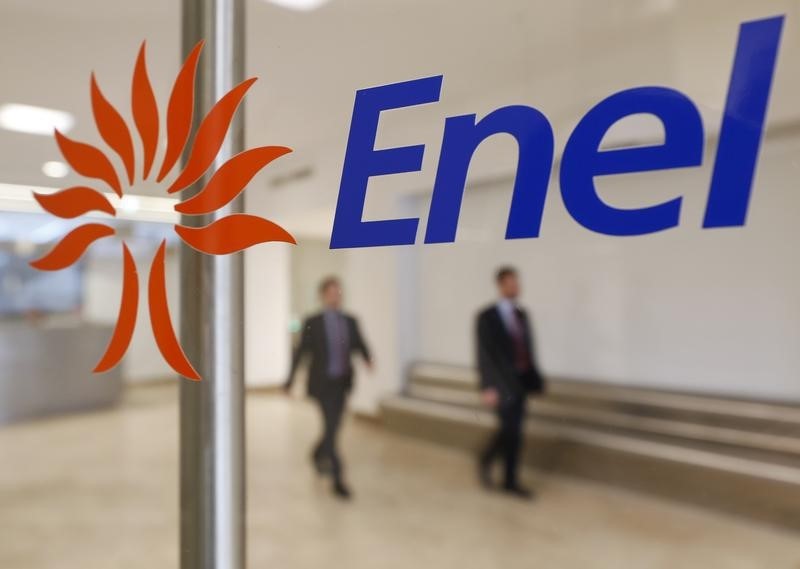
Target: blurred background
670	435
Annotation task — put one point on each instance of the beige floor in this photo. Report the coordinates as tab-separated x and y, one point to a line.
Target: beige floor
100	491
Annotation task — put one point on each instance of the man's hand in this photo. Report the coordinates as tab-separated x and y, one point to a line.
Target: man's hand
490	397
370	365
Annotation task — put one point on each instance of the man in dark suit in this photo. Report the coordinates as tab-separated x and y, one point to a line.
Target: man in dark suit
329	338
508	373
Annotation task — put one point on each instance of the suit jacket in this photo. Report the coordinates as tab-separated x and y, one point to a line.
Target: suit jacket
314	343
495	349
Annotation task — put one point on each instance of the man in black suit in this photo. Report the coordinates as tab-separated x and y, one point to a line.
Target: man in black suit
508	373
330	337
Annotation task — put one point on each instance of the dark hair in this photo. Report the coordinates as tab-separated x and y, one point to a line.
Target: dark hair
327	283
504	272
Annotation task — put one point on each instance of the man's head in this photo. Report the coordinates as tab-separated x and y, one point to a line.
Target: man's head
330	293
507	282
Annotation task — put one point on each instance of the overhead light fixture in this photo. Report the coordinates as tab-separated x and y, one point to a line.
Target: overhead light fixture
300	5
129	203
159	209
55	169
34	120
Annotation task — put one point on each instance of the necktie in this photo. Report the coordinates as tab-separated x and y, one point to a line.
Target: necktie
338	343
343	342
522	360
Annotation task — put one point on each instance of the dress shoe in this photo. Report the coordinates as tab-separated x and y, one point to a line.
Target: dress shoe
341	491
518	491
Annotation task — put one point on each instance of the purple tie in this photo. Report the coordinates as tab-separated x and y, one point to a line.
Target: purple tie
337	345
522	360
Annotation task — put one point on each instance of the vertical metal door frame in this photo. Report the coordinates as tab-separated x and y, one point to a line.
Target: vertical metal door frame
212	431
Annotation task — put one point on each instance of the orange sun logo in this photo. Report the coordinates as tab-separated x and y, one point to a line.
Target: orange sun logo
229	234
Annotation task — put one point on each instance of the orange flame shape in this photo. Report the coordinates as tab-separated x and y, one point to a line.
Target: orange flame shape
229	234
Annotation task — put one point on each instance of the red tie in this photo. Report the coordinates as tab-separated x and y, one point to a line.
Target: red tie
522	360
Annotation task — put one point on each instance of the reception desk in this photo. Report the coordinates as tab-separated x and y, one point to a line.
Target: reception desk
45	369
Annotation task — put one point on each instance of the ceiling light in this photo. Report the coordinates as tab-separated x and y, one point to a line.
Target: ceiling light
34	120
129	203
55	169
17	198
301	5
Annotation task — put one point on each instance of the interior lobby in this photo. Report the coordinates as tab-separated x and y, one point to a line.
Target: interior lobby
666	430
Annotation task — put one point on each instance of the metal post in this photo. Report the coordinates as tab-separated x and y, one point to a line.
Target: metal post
212	470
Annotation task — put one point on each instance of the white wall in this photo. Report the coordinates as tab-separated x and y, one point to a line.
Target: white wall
371	282
102	289
311	261
267	297
706	310
267	268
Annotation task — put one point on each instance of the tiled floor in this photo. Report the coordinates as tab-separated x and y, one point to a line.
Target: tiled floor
100	491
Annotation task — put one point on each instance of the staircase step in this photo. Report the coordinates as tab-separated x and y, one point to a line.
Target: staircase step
753	483
458	385
658	424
